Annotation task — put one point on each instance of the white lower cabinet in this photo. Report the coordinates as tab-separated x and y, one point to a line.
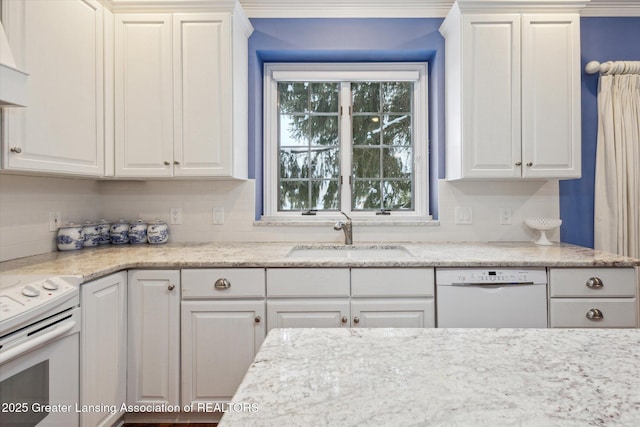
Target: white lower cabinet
593	298
223	326
103	358
154	337
358	297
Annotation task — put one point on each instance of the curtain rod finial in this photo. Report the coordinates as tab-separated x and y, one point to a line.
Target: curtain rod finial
592	67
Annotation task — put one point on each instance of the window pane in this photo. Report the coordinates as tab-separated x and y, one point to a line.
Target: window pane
366	162
397	130
325	195
294	163
324	97
397	195
325	163
324	130
366	97
294	195
366	130
397	162
396	97
366	195
294	97
294	130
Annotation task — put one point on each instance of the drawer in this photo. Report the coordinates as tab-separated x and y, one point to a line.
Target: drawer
392	282
242	283
307	282
572	312
572	282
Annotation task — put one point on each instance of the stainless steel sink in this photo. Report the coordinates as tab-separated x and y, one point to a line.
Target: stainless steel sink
359	252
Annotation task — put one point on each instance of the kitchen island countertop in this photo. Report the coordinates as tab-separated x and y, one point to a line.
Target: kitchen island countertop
437	377
97	262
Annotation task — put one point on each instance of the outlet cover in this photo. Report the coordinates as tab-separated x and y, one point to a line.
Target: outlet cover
176	216
463	215
218	216
54	220
505	216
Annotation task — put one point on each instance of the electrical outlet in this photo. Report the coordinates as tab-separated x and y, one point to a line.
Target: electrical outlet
176	216
505	216
218	216
463	215
54	220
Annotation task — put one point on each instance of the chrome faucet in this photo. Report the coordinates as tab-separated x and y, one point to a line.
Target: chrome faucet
347	228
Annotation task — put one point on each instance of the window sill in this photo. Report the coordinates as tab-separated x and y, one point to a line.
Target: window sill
317	222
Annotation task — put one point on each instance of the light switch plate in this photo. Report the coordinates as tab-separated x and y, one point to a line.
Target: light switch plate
463	215
218	216
176	216
54	220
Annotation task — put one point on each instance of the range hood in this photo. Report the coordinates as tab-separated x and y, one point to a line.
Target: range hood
13	82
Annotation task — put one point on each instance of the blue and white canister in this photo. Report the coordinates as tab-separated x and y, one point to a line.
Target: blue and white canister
104	229
158	232
138	232
119	232
70	237
91	234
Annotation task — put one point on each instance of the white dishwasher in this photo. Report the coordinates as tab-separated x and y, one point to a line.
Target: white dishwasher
491	298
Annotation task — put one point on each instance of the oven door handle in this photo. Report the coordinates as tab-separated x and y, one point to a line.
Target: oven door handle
39	341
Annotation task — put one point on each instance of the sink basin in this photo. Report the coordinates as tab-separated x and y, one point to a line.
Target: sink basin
349	252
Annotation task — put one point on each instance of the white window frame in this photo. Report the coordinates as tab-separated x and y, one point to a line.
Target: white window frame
347	72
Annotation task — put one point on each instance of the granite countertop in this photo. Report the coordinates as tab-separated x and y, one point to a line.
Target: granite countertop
97	262
436	377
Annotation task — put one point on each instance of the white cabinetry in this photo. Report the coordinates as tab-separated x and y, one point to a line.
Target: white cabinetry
223	326
360	297
593	297
154	337
181	94
60	45
512	93
103	358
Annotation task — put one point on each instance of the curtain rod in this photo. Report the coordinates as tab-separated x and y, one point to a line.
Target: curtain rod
613	67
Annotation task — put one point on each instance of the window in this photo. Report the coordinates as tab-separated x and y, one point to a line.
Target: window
346	137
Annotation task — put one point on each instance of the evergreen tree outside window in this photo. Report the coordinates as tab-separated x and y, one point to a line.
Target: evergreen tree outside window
346	137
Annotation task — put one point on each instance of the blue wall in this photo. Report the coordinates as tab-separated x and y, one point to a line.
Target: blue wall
344	40
602	39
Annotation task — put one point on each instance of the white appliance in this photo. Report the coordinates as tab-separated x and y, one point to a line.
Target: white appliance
39	351
491	298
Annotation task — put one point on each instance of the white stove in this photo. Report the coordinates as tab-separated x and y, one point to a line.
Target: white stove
24	300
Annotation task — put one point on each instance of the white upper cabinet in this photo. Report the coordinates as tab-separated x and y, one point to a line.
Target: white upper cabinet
512	93
181	95
60	45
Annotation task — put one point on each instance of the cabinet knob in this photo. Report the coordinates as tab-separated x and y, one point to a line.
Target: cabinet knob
529	163
356	319
16	150
222	284
171	287
518	163
257	319
344	319
175	162
595	314
594	283
166	163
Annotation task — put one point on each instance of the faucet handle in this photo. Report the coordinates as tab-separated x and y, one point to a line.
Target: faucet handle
348	217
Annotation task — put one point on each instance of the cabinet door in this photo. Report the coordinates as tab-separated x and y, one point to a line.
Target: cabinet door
143	96
103	354
60	45
219	342
307	313
154	337
551	96
202	94
393	313
491	96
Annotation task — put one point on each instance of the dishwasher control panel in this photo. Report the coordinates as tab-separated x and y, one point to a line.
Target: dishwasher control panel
488	276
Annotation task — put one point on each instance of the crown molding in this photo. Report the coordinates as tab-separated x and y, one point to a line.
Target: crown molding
374	8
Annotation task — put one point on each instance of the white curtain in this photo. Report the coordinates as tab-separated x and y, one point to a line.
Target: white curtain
617	188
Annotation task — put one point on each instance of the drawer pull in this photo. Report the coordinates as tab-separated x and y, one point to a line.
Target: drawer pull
594	314
594	283
344	319
222	284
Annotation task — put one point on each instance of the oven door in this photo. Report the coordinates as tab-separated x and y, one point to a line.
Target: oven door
39	374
